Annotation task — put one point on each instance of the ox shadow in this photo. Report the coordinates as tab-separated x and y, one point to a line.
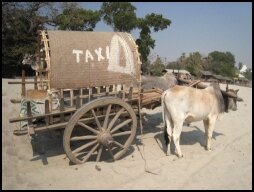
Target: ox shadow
189	136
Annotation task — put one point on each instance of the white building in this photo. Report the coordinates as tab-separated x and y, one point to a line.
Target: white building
244	68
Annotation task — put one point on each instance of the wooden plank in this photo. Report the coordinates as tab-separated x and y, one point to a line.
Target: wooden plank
123	92
47	111
35	83
130	93
81	94
27	82
69	110
77	102
71	95
15	100
62	109
29	114
107	90
141	96
23	91
90	94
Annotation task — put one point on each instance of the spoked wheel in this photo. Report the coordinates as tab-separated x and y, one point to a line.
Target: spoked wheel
104	127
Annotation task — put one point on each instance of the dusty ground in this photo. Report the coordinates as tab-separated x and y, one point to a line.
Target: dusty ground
227	166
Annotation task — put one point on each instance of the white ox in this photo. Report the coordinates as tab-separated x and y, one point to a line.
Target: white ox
186	104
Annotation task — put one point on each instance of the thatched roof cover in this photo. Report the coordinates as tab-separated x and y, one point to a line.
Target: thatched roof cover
81	59
222	78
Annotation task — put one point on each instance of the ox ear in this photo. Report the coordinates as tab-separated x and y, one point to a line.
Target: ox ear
236	90
239	99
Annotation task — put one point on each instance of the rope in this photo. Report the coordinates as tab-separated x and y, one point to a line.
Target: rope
141	141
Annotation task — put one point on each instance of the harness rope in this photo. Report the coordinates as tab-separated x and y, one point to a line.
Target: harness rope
141	141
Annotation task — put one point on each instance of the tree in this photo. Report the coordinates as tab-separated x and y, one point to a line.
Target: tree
145	41
122	17
207	63
181	62
172	65
194	63
248	74
157	67
77	19
145	67
240	65
223	63
20	23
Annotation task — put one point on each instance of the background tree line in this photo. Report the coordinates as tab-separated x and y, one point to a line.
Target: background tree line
219	63
22	20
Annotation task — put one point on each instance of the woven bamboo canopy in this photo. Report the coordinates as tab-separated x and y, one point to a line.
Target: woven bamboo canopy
85	59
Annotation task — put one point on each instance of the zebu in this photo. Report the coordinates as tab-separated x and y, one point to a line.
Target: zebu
186	104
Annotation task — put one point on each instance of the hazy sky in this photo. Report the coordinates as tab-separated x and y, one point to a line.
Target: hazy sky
203	27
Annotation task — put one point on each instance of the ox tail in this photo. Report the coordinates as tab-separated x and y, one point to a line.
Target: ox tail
163	107
164	122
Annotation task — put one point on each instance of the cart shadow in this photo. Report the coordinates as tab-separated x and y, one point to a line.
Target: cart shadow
50	143
47	144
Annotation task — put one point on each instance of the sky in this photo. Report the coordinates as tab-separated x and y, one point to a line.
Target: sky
196	26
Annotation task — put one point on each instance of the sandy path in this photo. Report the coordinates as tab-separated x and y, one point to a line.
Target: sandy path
227	166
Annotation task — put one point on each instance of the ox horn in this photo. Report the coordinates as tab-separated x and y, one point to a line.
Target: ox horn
228	94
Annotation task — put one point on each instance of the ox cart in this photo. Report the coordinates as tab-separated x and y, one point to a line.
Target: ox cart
89	84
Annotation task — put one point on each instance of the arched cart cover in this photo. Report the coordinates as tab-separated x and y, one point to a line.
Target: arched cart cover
87	59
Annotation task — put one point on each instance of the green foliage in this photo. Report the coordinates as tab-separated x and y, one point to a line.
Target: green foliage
172	65
219	63
145	40
223	63
120	15
77	19
145	67
155	21
157	67
194	63
248	74
240	65
20	23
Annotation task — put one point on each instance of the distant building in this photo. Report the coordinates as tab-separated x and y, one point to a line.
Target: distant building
210	77
206	75
241	80
222	79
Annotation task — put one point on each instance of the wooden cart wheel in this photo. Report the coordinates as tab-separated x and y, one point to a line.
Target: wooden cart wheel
103	126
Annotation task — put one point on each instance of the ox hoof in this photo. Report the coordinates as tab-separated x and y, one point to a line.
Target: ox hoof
208	148
180	156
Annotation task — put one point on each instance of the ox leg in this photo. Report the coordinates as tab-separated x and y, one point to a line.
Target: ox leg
210	133
168	133
206	123
176	137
